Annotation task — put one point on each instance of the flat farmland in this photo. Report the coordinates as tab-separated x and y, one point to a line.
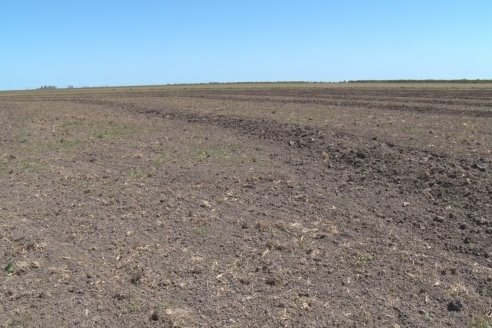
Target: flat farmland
247	205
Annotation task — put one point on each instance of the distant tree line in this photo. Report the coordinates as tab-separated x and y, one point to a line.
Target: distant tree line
421	81
47	87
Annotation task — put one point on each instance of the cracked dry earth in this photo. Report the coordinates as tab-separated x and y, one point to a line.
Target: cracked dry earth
247	206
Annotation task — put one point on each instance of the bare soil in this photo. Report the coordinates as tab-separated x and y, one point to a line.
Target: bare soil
247	206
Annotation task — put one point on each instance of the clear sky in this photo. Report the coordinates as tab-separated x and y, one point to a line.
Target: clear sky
123	42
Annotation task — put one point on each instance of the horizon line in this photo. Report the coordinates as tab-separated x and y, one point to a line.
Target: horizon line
364	81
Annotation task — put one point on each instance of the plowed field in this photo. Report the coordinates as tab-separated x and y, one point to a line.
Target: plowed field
247	206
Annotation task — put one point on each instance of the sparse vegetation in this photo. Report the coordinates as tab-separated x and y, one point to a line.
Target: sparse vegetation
481	322
137	174
9	269
85	129
160	158
364	259
3	165
33	165
246	205
230	152
202	155
131	307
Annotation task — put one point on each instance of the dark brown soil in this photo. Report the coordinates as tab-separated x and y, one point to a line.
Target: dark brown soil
246	206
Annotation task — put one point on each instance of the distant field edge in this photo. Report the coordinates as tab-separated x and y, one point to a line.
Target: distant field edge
476	81
429	83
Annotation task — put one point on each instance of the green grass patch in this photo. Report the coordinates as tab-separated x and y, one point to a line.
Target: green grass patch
97	130
4	166
364	259
72	124
62	145
137	174
200	231
230	152
481	322
21	320
110	130
130	307
202	155
33	166
160	159
78	134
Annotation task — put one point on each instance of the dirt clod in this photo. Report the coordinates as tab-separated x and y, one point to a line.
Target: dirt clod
455	306
154	316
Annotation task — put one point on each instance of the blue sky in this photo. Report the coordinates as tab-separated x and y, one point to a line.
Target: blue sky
109	42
